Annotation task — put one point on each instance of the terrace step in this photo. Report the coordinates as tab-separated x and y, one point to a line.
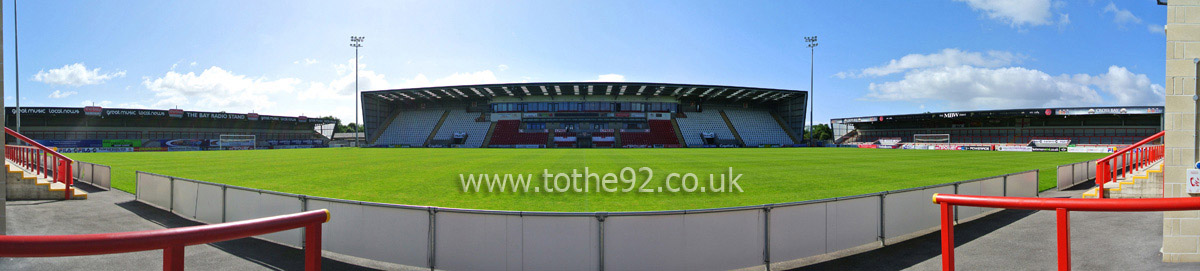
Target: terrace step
24	185
1146	182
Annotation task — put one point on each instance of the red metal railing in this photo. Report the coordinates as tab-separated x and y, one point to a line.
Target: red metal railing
1060	205
1130	158
171	241
40	160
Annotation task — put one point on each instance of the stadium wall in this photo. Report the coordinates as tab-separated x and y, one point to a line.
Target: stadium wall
784	235
1180	228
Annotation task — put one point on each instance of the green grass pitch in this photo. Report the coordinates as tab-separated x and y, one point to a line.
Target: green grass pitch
431	176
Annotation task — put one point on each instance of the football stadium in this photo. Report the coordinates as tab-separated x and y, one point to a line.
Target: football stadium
594	115
1037	129
98	129
607	174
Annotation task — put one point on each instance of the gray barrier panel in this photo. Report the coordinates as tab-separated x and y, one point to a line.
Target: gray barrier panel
273	205
75	170
1022	184
797	231
183	198
560	242
86	174
1091	169
379	233
210	202
1080	173
1064	177
101	176
246	204
404	239
723	240
966	212
852	223
154	190
240	204
345	234
911	211
469	241
643	243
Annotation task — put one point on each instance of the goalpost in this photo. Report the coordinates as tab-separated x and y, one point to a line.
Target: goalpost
931	138
237	142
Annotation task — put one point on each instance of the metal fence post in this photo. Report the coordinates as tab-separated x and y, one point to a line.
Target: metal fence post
224	199
767	235
882	219
303	208
600	217
170	193
956	207
1004	188
432	238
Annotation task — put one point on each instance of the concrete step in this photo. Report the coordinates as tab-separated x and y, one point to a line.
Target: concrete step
1146	182
24	185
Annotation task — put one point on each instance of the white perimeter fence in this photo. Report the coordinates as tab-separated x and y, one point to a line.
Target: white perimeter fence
95	174
1072	174
759	237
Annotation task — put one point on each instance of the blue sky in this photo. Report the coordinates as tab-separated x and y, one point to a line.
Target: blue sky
874	57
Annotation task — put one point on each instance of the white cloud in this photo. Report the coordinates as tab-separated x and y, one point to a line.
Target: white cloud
306	61
502	67
217	89
75	75
949	57
193	64
612	77
61	94
1121	16
1018	13
1063	20
1156	28
969	88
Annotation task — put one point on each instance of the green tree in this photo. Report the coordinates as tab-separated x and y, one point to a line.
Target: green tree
820	132
338	127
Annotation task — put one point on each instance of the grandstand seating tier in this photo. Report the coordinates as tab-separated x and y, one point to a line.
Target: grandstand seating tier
709	121
410	128
757	127
460	121
661	133
508	132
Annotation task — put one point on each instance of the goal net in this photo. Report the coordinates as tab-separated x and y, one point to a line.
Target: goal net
237	142
931	138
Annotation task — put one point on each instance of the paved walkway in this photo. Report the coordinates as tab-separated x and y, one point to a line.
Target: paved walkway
116	211
1026	240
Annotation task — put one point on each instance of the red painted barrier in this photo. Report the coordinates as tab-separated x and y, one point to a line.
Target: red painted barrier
171	241
41	160
1131	158
1061	206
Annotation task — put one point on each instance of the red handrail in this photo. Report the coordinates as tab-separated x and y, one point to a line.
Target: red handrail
41	160
1061	207
1132	158
171	241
